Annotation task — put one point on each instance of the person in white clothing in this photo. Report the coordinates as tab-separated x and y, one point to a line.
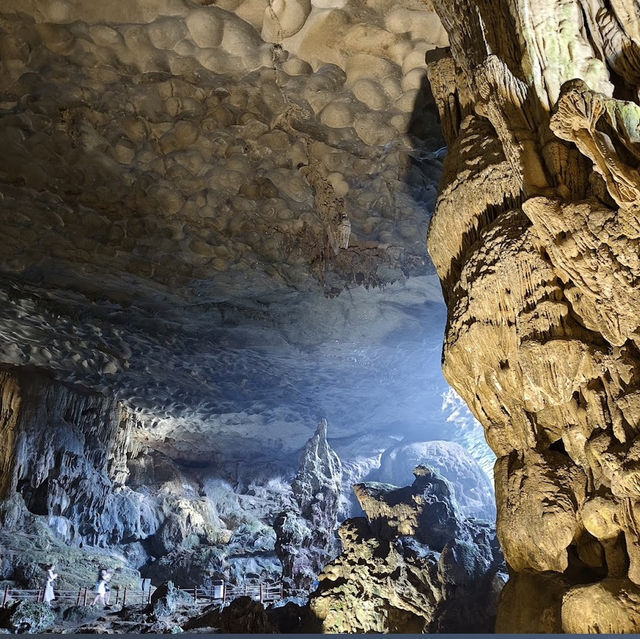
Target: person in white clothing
107	590
101	588
48	591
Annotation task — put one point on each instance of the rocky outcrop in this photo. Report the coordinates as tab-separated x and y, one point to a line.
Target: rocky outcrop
166	599
65	454
306	534
27	617
243	615
470	485
414	565
535	239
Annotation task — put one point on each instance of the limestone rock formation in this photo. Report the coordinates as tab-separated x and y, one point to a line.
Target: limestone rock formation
243	615
213	219
78	474
306	534
167	599
535	239
415	564
66	456
26	617
207	208
175	171
470	485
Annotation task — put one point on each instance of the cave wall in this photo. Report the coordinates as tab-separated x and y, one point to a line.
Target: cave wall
81	485
65	452
535	239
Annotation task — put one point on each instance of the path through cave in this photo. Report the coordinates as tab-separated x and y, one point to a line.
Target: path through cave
214	217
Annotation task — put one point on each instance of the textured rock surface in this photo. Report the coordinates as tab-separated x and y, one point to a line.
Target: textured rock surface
470	485
306	534
167	599
244	615
213	223
535	240
81	476
198	182
27	617
415	564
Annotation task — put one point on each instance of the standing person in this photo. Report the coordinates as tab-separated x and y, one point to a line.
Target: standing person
107	574
101	588
48	591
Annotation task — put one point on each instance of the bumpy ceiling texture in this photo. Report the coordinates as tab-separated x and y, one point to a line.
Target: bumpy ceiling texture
217	211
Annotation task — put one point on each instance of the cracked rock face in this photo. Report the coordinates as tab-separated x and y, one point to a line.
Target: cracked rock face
535	239
414	564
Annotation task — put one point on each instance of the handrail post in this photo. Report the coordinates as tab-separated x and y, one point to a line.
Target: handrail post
117	596
84	600
78	596
149	598
195	594
224	593
5	597
261	593
124	597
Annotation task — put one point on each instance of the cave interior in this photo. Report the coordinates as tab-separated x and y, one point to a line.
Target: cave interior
234	236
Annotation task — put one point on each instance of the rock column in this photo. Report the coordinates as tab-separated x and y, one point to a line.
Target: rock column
536	239
306	535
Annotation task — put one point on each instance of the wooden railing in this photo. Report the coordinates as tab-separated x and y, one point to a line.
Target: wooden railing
82	596
263	591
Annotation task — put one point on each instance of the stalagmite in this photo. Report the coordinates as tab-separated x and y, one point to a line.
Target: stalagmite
536	240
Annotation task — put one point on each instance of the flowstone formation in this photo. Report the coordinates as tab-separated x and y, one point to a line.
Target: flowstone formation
535	239
306	533
414	564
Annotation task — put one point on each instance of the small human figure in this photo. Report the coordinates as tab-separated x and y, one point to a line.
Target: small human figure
107	590
101	588
48	591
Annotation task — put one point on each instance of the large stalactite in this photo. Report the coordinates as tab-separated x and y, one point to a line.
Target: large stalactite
536	240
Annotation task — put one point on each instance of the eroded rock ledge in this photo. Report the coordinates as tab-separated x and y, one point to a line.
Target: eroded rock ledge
535	238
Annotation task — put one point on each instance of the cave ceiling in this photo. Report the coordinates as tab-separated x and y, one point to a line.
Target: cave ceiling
217	212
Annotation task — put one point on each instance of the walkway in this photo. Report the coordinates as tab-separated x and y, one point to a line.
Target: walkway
265	592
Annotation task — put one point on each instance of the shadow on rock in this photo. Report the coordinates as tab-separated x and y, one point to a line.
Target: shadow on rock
244	615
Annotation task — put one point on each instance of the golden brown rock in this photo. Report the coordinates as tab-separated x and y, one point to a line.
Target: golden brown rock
532	602
9	411
542	493
542	286
611	606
